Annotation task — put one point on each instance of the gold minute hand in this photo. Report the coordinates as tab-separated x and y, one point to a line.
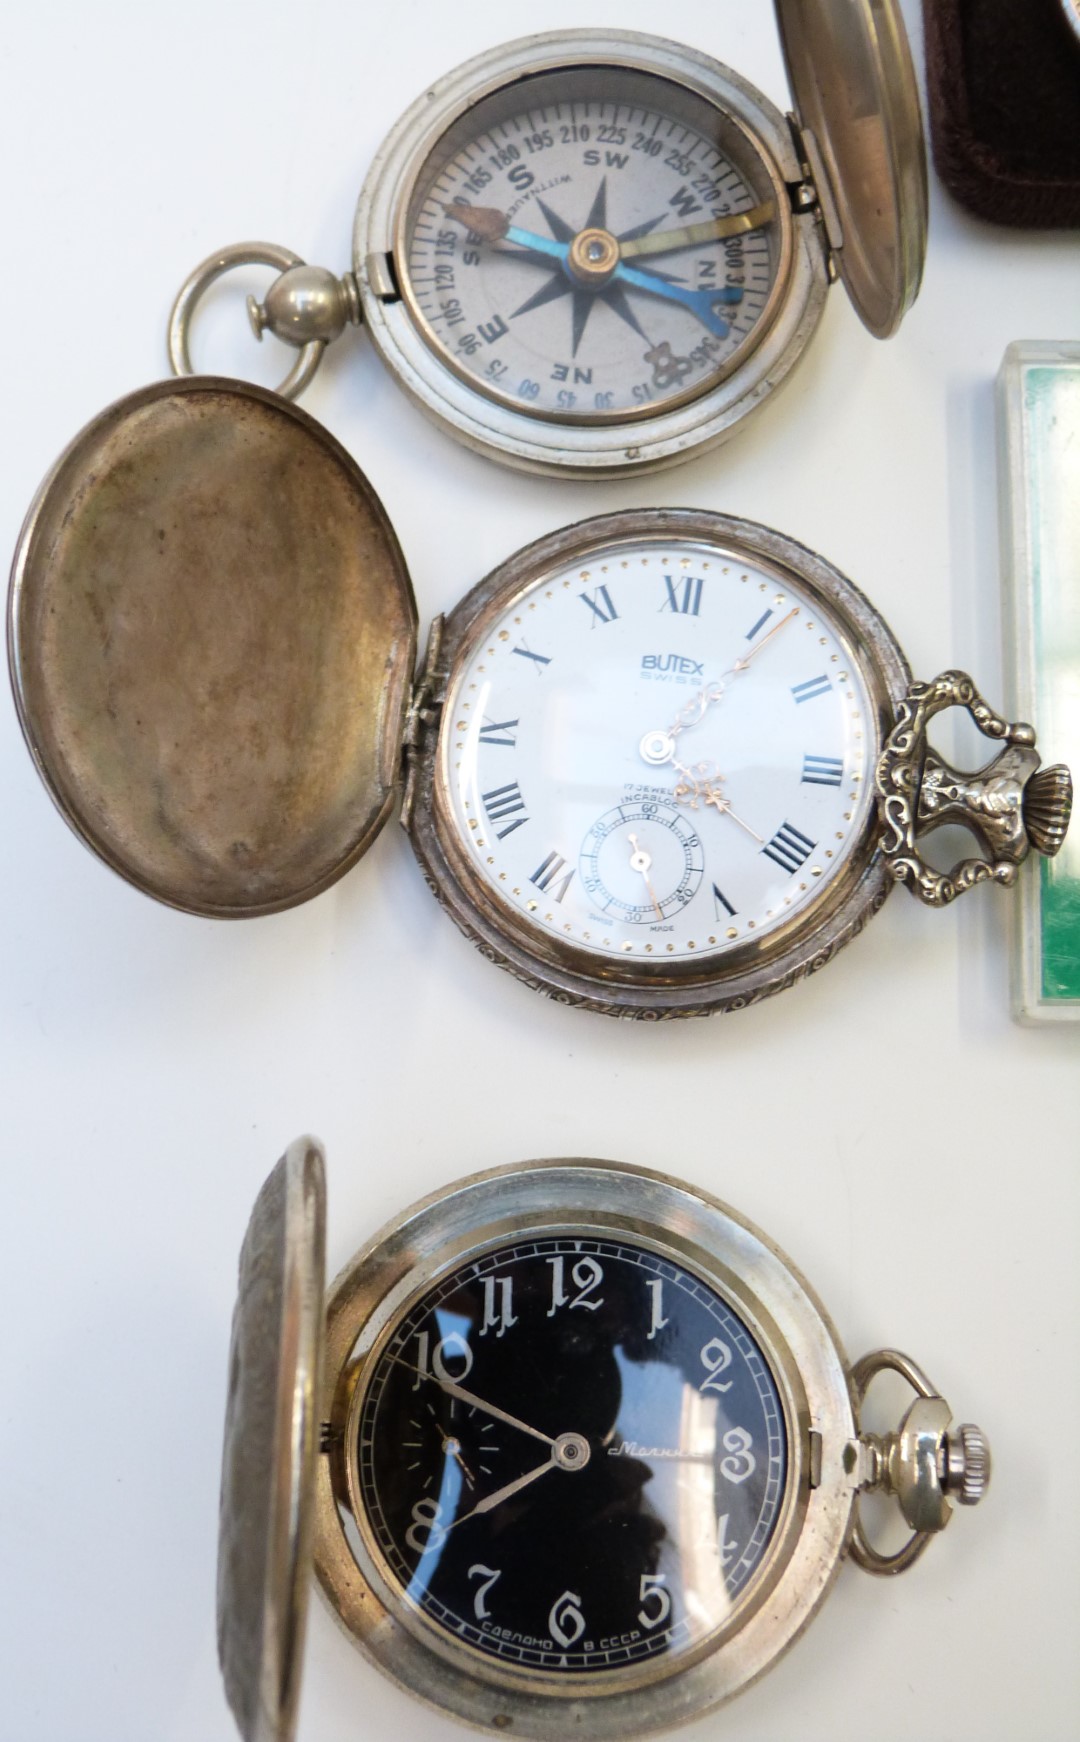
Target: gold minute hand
712	230
741	664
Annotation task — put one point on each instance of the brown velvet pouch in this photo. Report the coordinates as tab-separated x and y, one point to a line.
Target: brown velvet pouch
1004	85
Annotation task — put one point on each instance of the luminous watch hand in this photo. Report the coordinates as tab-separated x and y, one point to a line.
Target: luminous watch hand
453	1390
691	235
569	1452
642	861
492	1500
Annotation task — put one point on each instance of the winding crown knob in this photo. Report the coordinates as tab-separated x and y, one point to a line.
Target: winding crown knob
1047	807
967	1464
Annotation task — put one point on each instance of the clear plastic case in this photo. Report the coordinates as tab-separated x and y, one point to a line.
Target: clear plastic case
1039	449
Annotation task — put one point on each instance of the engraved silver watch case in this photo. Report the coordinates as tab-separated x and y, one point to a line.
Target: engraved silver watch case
212	640
300	1421
843	181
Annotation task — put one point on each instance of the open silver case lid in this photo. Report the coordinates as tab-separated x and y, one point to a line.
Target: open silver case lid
212	635
850	70
271	1444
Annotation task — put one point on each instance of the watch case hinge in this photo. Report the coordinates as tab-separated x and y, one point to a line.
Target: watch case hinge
425	706
380	274
811	195
814	1460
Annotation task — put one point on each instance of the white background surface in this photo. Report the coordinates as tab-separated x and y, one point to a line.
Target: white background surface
885	1122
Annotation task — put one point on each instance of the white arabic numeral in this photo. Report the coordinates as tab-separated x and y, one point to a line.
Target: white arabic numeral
488	1576
566	1621
725	1550
652	1586
742	1462
716	1359
586	1275
425	1531
498	1289
451	1348
656	1303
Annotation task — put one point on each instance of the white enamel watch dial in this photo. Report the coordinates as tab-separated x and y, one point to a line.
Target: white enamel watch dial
652	785
660	751
667	762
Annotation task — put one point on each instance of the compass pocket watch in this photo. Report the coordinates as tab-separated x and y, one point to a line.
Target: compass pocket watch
594	252
662	762
573	1448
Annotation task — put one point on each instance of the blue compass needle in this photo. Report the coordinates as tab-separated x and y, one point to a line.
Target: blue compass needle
702	303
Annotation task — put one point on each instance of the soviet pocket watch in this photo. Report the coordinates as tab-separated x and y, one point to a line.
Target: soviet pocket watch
662	762
593	252
574	1450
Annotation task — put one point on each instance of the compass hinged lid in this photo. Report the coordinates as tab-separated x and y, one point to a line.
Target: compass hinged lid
212	636
850	69
271	1444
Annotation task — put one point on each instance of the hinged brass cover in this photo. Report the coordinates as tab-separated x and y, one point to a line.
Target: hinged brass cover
271	1444
850	70
212	637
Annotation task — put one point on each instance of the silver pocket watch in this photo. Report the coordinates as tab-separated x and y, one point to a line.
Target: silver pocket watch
660	763
572	1447
594	252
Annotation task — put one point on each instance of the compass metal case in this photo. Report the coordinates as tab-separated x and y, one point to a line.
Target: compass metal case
852	75
592	252
570	1261
599	442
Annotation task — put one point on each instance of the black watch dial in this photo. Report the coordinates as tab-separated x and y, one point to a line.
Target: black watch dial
572	1456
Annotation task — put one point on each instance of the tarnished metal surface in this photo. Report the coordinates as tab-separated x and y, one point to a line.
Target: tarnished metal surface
1011	805
921	1463
850	69
267	1474
212	636
589	1198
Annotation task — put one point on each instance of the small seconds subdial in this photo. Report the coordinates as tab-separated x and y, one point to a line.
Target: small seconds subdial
592	245
660	751
641	862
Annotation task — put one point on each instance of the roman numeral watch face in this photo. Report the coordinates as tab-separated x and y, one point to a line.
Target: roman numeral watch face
655	780
574	1450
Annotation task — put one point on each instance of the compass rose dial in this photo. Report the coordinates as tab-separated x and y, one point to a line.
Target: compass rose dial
593	244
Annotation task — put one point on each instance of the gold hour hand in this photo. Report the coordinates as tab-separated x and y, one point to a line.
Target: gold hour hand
691	235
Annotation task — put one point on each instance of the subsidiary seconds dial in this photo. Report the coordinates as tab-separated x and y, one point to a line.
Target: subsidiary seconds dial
667	762
659	751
